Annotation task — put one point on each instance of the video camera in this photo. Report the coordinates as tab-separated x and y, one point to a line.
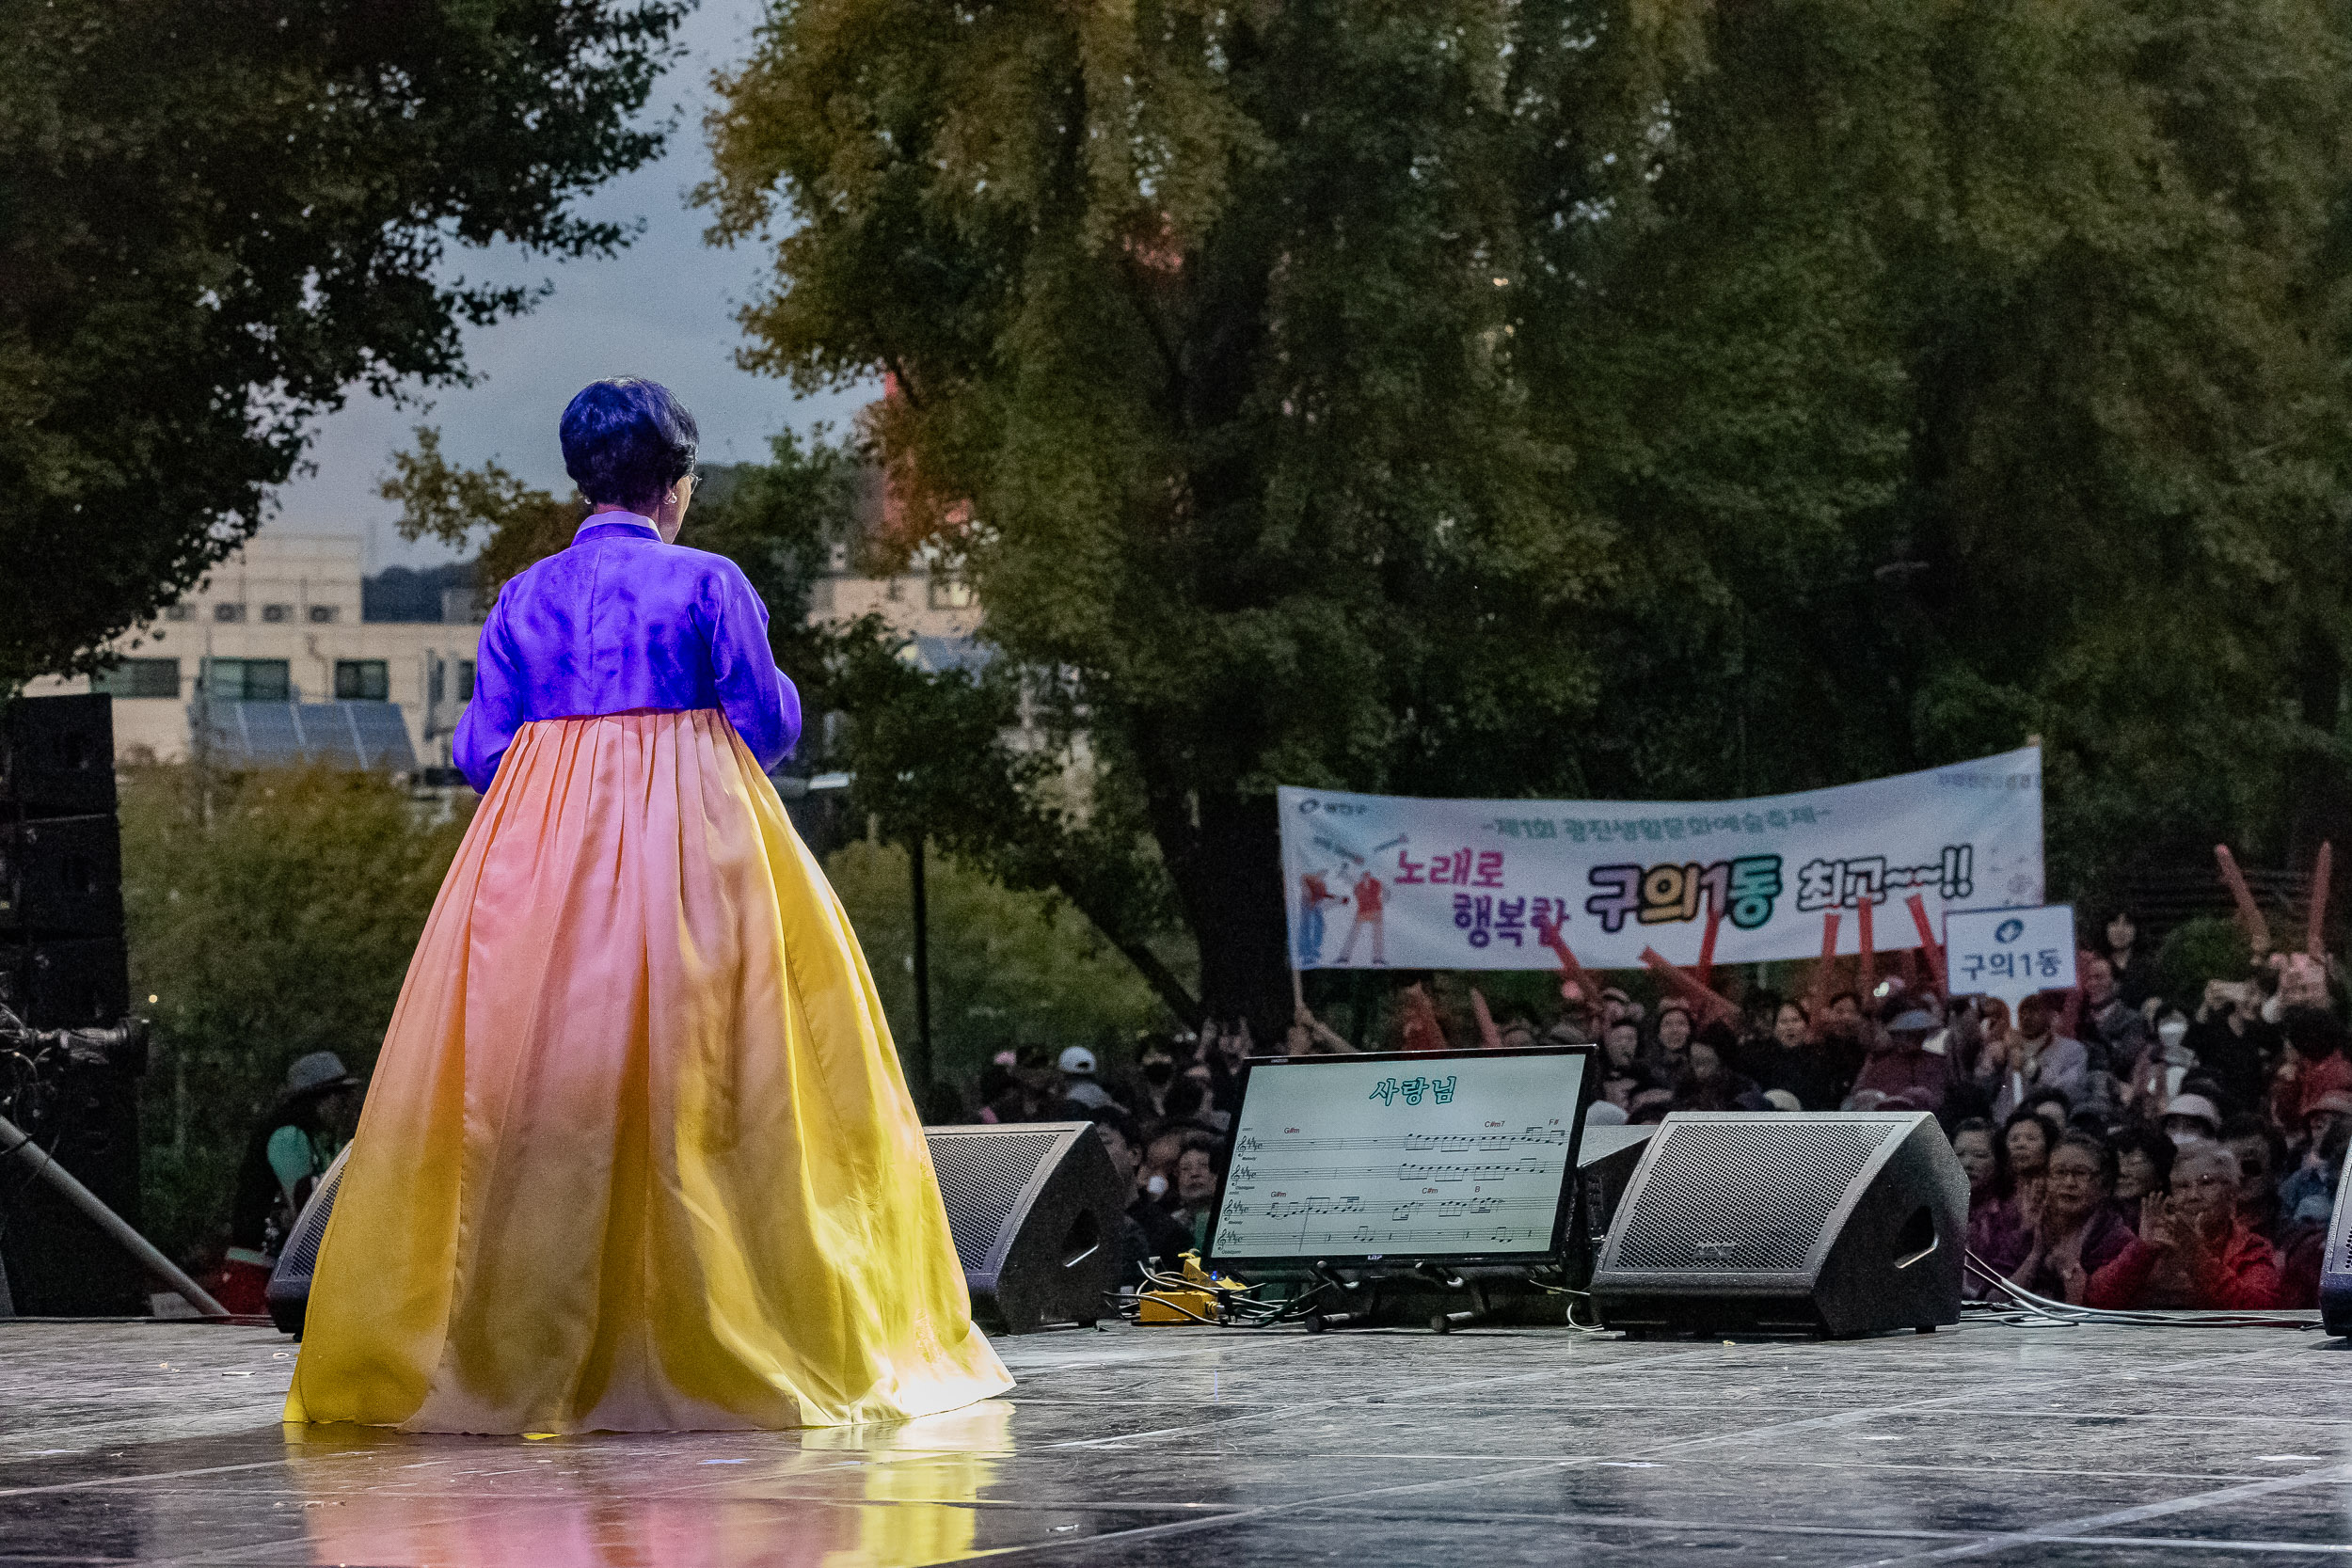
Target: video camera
121	1049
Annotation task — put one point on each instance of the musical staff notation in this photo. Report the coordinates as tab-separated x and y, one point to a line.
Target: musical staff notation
1323	1166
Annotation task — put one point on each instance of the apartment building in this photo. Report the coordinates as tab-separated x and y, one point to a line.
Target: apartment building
272	661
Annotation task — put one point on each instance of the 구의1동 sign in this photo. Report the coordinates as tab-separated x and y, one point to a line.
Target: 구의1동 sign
2011	954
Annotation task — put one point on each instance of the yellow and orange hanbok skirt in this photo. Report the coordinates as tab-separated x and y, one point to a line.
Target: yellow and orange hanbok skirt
637	1155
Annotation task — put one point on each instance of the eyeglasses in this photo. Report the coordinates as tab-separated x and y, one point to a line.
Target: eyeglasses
2202	1182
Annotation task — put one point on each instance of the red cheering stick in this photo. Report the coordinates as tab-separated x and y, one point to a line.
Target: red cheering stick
1869	951
1825	973
1706	944
1927	943
1699	996
1489	1038
2316	933
2249	914
1547	932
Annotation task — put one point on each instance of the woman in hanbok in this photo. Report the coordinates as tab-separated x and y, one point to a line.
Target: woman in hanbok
637	1154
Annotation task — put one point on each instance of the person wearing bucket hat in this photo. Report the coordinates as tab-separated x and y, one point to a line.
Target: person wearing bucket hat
306	1127
1900	1072
2191	1118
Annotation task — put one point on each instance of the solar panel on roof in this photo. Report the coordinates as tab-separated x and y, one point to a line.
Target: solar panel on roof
286	734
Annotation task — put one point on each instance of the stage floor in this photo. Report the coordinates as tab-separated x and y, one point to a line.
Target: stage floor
160	1444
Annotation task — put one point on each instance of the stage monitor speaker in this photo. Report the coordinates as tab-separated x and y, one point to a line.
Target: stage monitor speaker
1823	1223
2335	1264
1036	1211
1034	1208
74	983
61	876
57	756
288	1291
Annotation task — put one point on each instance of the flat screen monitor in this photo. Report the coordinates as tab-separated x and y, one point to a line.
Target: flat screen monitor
1462	1155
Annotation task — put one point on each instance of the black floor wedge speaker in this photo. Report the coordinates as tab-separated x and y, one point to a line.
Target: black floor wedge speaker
1774	1222
1034	1210
2335	1264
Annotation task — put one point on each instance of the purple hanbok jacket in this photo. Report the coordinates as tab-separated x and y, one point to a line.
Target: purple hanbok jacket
622	620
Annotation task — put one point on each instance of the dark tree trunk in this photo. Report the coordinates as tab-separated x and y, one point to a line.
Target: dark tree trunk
1224	857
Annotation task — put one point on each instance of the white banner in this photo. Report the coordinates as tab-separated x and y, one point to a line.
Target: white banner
1379	881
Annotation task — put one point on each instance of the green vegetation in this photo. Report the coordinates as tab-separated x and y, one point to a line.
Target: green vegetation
217	217
1577	398
270	915
1008	969
274	913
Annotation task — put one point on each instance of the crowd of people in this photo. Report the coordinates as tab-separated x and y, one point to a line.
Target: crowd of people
2125	1149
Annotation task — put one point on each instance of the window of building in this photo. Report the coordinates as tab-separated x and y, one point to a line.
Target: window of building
361	680
949	593
322	613
278	612
227	613
465	680
248	680
139	677
179	612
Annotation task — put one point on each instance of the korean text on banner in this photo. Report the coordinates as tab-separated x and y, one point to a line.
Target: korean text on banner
1377	880
2011	954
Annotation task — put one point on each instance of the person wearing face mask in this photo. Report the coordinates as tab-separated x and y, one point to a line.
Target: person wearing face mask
2156	1077
2192	1251
1156	1067
2191	1118
2313	1065
1147	1230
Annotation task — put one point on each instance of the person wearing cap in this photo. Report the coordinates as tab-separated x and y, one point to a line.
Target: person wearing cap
2309	1195
2192	1250
1900	1073
288	1152
2191	1118
1077	1070
2315	1065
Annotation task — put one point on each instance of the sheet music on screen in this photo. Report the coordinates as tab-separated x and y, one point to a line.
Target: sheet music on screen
1401	1156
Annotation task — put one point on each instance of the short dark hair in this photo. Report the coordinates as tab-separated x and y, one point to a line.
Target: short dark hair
2313	1032
1853	996
627	440
2093	1145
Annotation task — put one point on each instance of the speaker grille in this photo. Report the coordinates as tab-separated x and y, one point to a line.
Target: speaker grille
300	1256
981	1178
1744	1196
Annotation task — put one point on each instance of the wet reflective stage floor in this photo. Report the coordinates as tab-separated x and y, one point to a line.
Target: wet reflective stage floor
160	1444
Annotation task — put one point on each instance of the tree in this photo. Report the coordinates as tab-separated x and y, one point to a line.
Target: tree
1202	325
269	914
216	215
1579	398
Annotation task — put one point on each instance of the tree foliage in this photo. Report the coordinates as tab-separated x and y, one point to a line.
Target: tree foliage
270	915
1577	397
216	215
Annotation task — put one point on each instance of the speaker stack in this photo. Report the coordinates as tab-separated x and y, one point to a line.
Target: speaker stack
1035	1210
63	966
1828	1224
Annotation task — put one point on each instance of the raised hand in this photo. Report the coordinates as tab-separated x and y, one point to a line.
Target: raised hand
2157	1227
